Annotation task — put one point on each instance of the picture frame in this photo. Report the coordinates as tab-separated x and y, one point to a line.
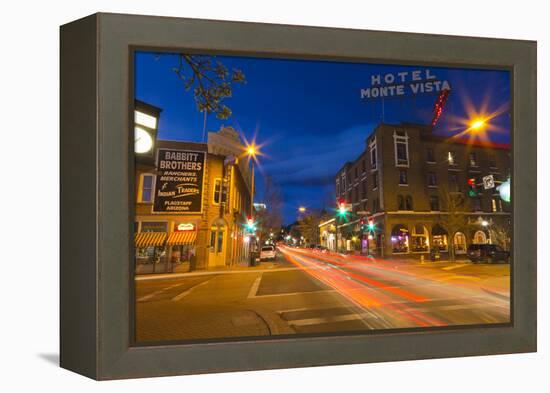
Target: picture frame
96	268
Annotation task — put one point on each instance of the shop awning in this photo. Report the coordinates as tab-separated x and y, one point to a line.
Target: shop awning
181	238
149	239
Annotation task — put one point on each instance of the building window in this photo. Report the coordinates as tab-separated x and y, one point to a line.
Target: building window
453	182
451	158
356	173
400	202
430	156
419	239
439	238
403	177
220	191
372	150
364	189
401	146
476	204
408	203
374	181
375	205
364	165
496	204
146	189
492	162
432	179
343	183
472	159
337	188
434	203
400	239
459	243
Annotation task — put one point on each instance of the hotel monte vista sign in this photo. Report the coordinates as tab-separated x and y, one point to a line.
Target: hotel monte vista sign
403	83
179	183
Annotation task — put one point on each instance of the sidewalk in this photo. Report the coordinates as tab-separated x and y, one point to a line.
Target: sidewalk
237	268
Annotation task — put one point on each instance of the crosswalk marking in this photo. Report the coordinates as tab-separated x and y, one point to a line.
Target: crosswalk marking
159	292
452	267
255	286
190	290
331	319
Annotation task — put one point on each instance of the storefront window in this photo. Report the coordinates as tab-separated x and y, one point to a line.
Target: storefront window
419	239
400	239
439	239
440	242
459	243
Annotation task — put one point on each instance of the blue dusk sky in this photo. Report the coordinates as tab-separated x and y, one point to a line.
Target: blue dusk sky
310	118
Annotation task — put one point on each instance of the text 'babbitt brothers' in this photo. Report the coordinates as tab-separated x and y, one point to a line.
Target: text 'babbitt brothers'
180	161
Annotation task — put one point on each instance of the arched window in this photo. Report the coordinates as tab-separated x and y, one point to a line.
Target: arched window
400	202
409	203
400	239
480	237
419	239
439	238
459	243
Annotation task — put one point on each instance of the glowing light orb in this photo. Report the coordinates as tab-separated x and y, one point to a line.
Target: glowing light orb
477	124
504	191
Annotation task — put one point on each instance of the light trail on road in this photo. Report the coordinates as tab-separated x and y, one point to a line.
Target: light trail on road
400	298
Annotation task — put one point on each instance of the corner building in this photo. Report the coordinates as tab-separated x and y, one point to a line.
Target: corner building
423	193
212	238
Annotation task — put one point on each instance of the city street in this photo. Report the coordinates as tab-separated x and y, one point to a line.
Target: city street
305	291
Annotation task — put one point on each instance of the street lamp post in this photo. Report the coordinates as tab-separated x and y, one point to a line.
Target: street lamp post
251	151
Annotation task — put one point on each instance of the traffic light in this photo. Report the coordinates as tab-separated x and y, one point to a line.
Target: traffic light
342	209
250	225
371	226
472	187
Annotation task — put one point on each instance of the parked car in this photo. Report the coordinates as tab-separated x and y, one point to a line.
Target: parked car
487	253
267	253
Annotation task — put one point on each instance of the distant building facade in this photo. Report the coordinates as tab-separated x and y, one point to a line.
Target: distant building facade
422	193
212	234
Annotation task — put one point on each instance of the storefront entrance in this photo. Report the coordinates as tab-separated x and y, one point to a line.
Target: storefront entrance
218	242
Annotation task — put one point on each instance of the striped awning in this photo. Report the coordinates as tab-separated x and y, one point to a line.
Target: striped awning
149	239
181	238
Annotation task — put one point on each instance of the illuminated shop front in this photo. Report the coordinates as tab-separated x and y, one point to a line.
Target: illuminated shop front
439	239
400	239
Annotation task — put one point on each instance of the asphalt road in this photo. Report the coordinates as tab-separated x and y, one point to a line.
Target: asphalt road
308	292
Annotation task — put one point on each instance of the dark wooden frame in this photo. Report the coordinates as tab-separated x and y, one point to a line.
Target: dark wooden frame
96	197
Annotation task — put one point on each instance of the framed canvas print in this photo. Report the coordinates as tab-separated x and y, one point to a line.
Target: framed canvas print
239	196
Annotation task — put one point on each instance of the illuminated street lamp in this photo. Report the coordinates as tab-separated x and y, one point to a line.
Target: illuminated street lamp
252	151
484	223
302	209
477	124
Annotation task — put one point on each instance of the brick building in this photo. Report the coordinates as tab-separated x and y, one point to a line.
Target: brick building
212	237
422	192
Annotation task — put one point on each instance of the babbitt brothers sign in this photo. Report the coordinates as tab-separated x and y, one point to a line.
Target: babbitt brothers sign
179	182
404	83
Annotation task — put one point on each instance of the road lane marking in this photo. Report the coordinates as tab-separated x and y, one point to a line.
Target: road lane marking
295	293
190	290
332	319
455	266
172	276
255	286
159	292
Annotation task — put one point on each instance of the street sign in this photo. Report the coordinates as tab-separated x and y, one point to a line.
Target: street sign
488	182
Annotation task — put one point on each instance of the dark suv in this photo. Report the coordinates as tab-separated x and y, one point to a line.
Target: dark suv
487	253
